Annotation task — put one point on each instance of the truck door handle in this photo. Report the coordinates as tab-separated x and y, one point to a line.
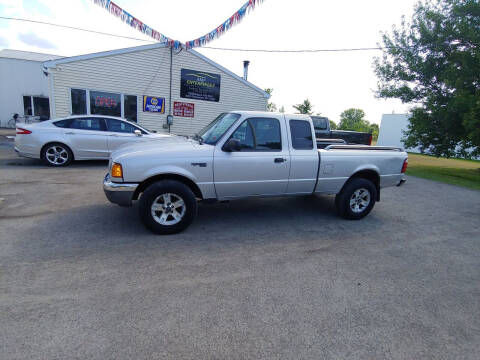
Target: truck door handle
70	133
279	160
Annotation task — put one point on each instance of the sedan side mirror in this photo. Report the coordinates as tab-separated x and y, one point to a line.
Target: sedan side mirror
232	145
138	132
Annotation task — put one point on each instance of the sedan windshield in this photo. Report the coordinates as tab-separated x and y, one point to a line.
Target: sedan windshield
215	130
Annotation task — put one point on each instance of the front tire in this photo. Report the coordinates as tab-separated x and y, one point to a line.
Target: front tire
167	207
57	155
356	199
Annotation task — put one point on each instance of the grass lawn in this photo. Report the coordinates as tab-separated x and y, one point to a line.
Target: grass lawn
459	172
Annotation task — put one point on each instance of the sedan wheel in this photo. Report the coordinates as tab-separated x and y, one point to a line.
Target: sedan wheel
57	155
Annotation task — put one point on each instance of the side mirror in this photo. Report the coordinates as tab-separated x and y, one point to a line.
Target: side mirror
232	145
138	132
153	131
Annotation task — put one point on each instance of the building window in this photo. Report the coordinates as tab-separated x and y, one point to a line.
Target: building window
79	101
103	103
90	102
27	106
130	107
41	107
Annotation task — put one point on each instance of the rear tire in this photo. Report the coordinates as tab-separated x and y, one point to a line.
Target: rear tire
356	199
167	207
57	155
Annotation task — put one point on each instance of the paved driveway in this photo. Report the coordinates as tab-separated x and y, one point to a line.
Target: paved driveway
272	278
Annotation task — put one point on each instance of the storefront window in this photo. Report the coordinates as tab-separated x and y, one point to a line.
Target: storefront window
41	107
79	101
104	103
130	107
27	106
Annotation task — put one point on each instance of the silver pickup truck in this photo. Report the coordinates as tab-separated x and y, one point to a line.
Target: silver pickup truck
246	154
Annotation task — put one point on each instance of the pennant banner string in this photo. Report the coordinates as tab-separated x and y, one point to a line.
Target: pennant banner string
129	19
227	24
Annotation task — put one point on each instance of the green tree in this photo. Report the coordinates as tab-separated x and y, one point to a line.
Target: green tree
304	108
433	63
333	124
282	109
353	119
270	105
374	129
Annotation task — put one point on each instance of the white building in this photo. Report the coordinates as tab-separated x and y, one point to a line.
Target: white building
147	83
392	128
23	86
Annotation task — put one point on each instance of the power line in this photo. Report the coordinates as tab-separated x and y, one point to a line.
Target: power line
75	28
204	47
296	51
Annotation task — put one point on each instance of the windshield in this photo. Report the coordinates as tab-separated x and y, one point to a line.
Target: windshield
215	130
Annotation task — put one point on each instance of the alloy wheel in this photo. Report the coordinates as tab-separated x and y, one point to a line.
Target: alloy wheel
56	155
168	209
359	200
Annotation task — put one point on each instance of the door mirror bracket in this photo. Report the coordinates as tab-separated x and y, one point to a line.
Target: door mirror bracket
232	145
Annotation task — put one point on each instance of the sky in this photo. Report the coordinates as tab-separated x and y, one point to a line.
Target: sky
332	81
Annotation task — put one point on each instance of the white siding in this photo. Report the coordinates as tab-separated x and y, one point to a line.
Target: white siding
147	72
18	78
392	128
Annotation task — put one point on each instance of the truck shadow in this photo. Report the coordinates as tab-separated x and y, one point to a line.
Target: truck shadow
107	228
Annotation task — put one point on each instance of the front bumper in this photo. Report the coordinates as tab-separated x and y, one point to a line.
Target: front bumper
119	193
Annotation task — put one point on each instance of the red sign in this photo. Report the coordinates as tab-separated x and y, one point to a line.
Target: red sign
183	109
105	101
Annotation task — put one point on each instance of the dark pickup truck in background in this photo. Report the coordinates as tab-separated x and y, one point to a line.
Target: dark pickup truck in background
327	136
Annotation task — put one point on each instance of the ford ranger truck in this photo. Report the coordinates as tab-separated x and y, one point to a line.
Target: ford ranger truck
247	154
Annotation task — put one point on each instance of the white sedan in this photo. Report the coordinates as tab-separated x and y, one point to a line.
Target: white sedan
84	137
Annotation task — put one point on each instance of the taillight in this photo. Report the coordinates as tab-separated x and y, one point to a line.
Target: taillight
404	167
21	131
370	141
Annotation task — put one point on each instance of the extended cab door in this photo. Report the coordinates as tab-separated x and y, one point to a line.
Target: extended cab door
304	155
261	166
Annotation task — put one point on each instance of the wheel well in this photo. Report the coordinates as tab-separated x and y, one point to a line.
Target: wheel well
371	175
146	183
56	142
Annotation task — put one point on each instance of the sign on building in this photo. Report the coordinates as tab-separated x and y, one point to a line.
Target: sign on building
199	85
154	104
183	109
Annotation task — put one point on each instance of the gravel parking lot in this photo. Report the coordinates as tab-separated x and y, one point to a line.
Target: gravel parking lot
271	278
